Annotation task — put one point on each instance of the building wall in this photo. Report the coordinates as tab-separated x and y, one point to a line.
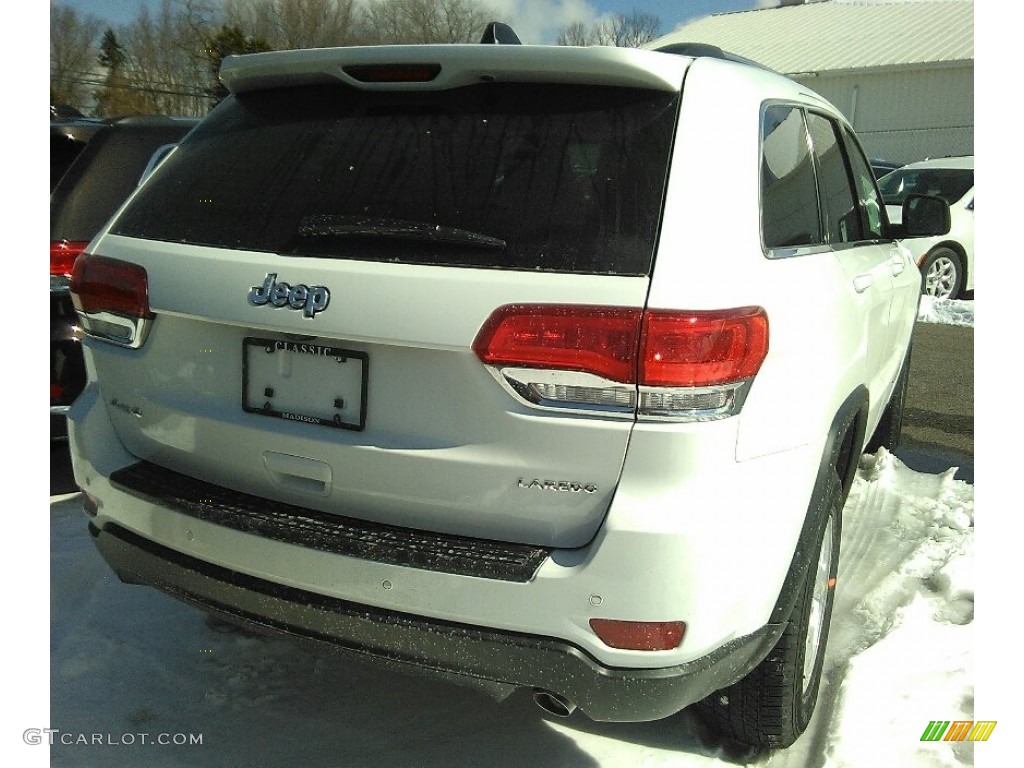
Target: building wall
905	114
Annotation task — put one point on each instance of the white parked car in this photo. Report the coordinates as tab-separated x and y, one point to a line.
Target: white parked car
530	367
946	261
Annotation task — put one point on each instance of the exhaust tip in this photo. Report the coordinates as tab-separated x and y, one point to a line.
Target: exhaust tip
552	703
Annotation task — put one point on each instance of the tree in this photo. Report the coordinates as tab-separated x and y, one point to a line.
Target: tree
425	21
227	41
72	56
619	30
286	24
165	64
574	34
117	96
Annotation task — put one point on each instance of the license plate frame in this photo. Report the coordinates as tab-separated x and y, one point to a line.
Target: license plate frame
295	393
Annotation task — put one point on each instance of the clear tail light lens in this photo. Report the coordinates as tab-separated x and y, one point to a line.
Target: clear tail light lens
112	299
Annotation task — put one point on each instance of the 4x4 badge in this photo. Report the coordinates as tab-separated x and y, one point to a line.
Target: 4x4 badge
310	299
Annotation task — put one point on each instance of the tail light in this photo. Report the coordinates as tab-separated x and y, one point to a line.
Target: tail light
679	365
112	299
63	254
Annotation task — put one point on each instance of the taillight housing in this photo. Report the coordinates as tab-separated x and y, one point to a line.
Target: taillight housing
112	299
63	254
662	364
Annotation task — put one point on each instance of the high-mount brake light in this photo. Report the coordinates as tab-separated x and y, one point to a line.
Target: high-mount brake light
393	73
662	364
112	299
63	254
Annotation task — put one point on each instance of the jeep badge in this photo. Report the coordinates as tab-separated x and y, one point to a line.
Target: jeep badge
310	299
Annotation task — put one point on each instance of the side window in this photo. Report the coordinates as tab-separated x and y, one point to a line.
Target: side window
841	210
789	200
867	191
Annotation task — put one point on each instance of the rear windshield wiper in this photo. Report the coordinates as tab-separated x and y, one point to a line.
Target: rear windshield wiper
393	229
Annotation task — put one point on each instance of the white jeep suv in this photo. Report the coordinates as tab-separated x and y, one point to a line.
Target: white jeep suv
531	367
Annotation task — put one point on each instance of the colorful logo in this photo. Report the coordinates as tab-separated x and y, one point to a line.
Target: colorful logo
958	730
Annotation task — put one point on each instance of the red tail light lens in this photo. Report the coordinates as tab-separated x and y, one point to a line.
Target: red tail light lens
63	254
653	348
702	349
639	635
56	391
598	340
99	284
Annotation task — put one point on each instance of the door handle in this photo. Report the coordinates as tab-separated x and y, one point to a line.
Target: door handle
862	282
897	265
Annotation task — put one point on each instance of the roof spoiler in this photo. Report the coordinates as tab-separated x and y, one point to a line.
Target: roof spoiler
497	33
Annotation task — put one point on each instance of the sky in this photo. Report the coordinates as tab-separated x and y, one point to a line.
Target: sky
537	21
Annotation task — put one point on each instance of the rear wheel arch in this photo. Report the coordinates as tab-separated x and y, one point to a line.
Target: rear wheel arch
844	444
772	703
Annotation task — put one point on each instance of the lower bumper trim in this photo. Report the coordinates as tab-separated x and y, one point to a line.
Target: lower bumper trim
481	658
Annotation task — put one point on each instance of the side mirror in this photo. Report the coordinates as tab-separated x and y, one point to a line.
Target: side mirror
925	216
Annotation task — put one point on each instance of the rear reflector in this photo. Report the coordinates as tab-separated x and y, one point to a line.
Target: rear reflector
639	635
63	254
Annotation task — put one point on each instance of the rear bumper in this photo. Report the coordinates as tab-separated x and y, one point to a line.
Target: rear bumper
483	658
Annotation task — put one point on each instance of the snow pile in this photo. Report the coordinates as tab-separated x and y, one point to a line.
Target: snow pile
903	636
946	311
128	659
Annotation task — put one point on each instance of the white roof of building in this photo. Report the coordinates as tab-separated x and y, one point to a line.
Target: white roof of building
835	36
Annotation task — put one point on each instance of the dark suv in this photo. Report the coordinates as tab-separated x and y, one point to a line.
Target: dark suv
94	166
68	137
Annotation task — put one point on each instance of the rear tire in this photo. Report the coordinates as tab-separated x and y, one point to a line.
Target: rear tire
773	704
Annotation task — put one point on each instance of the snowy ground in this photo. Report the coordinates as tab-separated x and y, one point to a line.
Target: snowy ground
127	661
946	311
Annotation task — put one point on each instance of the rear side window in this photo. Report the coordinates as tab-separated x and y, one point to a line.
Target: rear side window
513	176
789	197
816	186
840	205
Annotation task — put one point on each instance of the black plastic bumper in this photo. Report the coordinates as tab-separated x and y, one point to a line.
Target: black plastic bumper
482	658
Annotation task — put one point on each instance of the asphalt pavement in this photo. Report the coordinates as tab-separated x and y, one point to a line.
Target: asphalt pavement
938	420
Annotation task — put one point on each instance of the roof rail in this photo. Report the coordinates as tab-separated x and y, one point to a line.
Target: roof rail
497	33
697	50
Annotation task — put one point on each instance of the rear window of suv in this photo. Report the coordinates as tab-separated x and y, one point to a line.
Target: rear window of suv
512	176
